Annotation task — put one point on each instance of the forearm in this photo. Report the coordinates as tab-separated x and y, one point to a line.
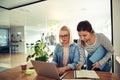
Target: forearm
67	68
105	58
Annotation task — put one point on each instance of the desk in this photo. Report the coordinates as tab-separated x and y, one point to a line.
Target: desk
16	74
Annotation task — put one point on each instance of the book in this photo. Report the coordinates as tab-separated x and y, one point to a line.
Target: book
85	74
99	53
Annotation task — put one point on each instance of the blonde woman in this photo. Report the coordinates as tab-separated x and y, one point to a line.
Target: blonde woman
66	53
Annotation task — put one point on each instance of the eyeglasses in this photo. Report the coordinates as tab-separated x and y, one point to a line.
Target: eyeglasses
64	36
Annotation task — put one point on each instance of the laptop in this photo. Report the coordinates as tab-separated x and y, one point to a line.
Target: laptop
47	69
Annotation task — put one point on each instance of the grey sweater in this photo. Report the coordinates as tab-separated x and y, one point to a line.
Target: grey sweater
101	39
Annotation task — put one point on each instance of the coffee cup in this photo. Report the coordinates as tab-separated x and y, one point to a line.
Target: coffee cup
23	67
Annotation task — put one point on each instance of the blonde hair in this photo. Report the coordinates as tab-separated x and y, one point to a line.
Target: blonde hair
65	28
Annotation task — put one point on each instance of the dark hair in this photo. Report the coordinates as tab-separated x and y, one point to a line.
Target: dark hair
85	26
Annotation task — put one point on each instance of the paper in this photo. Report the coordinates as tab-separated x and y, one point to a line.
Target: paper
86	74
98	54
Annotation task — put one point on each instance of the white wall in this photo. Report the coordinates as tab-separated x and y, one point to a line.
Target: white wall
116	33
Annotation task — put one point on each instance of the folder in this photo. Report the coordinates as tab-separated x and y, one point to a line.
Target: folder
99	53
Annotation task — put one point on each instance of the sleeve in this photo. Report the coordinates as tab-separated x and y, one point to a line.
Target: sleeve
82	53
105	42
75	58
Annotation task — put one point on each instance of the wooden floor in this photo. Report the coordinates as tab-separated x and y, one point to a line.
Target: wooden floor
10	60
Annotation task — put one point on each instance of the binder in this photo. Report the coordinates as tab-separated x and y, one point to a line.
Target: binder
99	53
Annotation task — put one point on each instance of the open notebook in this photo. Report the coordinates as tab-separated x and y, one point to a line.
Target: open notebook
89	74
47	69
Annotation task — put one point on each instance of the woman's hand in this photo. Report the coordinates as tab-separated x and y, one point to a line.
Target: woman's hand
78	67
61	70
96	65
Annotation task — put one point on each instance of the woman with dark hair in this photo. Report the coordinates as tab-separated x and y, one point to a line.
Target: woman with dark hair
89	45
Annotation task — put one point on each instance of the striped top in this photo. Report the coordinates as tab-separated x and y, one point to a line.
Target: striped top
100	39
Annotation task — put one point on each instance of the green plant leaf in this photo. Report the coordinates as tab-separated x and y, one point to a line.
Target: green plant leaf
40	52
28	57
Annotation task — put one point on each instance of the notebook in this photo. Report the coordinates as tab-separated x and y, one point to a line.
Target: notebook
98	54
85	74
47	69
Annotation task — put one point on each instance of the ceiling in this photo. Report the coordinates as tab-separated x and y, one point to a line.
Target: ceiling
97	11
13	4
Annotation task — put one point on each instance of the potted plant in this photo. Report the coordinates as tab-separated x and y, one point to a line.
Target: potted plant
40	52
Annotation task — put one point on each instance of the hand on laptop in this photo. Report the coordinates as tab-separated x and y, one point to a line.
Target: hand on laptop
61	70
